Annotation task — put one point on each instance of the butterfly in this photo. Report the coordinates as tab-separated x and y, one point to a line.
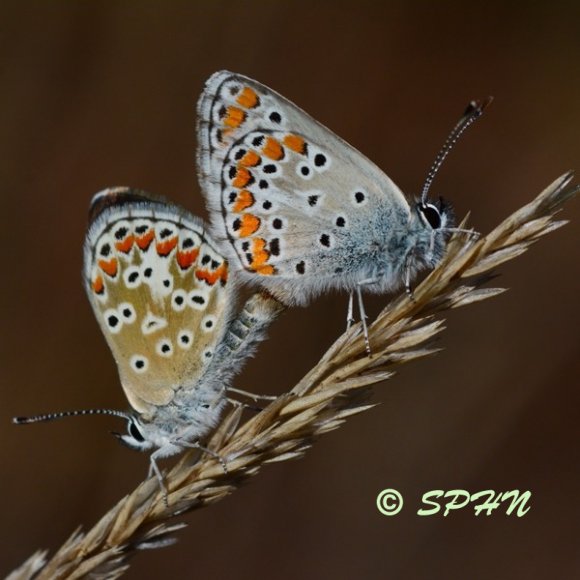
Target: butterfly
161	293
298	211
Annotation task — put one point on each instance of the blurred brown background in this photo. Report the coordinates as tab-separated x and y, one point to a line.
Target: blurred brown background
100	94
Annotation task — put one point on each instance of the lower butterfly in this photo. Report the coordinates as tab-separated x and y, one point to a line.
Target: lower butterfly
160	291
298	210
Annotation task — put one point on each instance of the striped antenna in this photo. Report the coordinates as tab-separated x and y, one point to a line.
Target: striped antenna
62	414
472	113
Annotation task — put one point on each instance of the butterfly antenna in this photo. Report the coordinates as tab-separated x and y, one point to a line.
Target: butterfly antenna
62	414
472	113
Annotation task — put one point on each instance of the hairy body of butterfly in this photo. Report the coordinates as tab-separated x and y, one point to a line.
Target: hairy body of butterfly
299	209
161	293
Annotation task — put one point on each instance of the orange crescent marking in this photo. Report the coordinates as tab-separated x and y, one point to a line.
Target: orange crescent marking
242	177
145	240
206	276
164	248
244	200
235	117
250	159
265	270
248	98
220	274
249	225
295	143
212	277
109	267
273	149
259	254
186	259
201	275
98	285
125	245
223	270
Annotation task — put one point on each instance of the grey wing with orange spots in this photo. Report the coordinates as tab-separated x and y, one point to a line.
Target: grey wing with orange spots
290	199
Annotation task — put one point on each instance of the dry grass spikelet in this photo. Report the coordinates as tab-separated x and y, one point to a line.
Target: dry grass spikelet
337	387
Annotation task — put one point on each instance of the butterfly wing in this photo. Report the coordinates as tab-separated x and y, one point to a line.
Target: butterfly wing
300	208
159	290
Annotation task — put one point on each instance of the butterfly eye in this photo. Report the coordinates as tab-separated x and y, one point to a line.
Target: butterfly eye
430	215
134	432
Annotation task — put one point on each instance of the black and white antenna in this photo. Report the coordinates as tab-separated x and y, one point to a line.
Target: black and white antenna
62	414
473	111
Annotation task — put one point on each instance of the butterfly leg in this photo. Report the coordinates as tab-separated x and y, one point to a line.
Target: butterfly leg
429	255
252	396
362	313
361	309
154	469
349	311
244	405
407	279
197	445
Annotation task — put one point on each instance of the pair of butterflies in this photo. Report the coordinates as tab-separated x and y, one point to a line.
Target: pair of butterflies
295	211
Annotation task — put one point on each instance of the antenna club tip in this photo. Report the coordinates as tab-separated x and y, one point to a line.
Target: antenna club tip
477	106
19	420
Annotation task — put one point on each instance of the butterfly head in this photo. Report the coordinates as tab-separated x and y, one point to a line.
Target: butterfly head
145	435
435	223
435	216
137	436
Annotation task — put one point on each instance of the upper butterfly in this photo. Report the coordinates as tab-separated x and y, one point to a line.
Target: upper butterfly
159	289
301	209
